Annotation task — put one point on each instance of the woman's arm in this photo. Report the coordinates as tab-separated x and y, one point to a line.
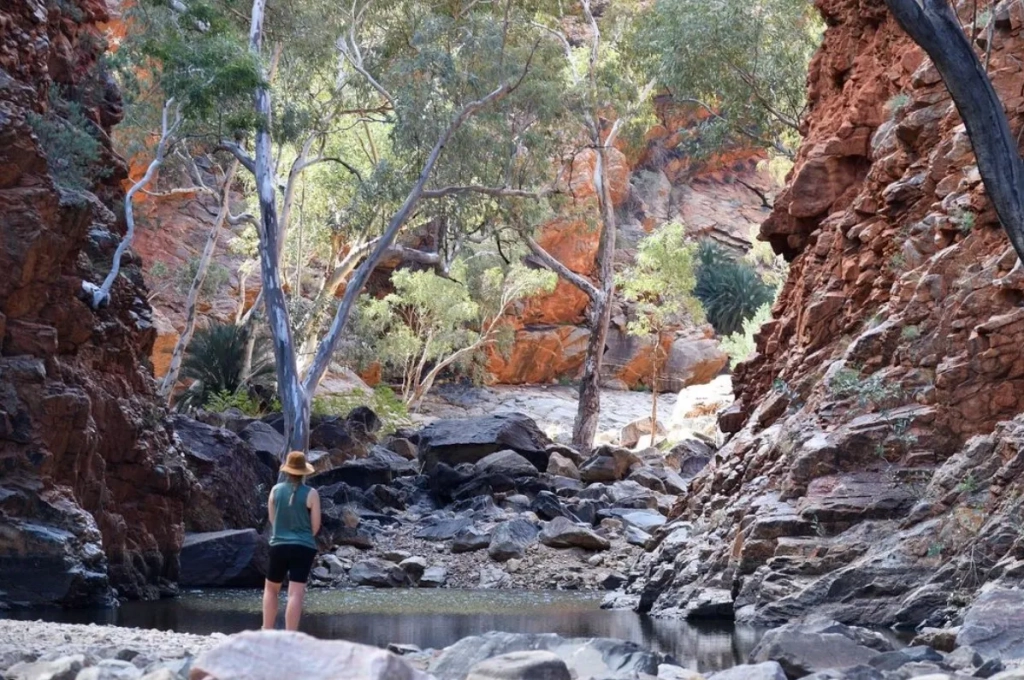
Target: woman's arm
313	503
270	509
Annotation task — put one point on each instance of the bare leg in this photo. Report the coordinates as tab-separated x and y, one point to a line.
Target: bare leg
296	594
271	591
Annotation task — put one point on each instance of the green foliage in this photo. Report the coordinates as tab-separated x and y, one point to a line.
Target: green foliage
383	401
871	391
968	485
910	333
215	362
217	275
730	290
196	52
964	220
747	61
430	319
225	400
740	345
68	142
897	103
660	283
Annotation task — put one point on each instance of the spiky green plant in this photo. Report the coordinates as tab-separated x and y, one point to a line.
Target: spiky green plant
215	362
730	290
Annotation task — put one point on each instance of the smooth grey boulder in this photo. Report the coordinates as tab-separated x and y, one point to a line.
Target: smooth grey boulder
377	573
769	670
531	665
585	657
506	462
994	625
808	647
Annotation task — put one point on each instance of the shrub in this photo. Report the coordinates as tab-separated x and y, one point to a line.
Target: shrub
216	276
740	346
964	220
730	290
870	391
215	362
388	406
242	400
72	151
897	103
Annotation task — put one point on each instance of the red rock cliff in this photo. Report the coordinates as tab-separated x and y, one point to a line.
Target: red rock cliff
851	487
91	487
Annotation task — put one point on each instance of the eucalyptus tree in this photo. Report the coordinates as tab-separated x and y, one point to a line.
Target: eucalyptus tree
743	63
439	75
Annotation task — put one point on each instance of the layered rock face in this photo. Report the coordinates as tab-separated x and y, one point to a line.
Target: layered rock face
853	485
91	487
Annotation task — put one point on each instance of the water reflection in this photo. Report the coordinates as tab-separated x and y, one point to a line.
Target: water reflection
432	619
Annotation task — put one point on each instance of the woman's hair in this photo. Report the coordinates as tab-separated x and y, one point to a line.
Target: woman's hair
295	481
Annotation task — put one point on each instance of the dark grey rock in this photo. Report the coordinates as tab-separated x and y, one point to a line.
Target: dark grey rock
470	539
471	439
377	573
994	625
510	539
805	648
231	559
506	462
769	670
442	529
564	533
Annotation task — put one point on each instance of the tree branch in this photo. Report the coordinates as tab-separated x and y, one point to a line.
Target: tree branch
100	295
489	191
549	261
327	346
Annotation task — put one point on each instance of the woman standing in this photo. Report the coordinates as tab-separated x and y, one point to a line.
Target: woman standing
294	511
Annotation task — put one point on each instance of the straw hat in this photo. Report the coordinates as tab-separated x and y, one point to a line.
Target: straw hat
296	464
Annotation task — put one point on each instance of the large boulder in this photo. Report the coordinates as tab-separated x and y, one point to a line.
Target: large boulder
510	539
470	539
229	559
994	625
532	665
235	480
563	533
268	443
805	648
275	654
506	462
361	473
585	657
472	439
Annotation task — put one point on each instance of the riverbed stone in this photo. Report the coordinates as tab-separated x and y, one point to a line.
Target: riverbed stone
769	670
564	533
994	625
433	577
470	539
506	462
585	657
511	539
110	669
414	567
807	647
377	573
63	668
561	466
528	665
276	654
492	576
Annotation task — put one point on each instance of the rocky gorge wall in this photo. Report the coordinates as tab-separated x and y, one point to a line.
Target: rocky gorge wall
92	489
875	470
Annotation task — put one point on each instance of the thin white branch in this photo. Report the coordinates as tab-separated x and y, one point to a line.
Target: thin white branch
101	295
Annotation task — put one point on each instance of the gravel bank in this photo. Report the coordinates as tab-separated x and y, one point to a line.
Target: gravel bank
145	649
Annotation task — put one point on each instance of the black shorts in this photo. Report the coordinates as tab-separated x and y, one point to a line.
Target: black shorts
291	559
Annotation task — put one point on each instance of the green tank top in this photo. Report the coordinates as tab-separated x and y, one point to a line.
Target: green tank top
292	524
